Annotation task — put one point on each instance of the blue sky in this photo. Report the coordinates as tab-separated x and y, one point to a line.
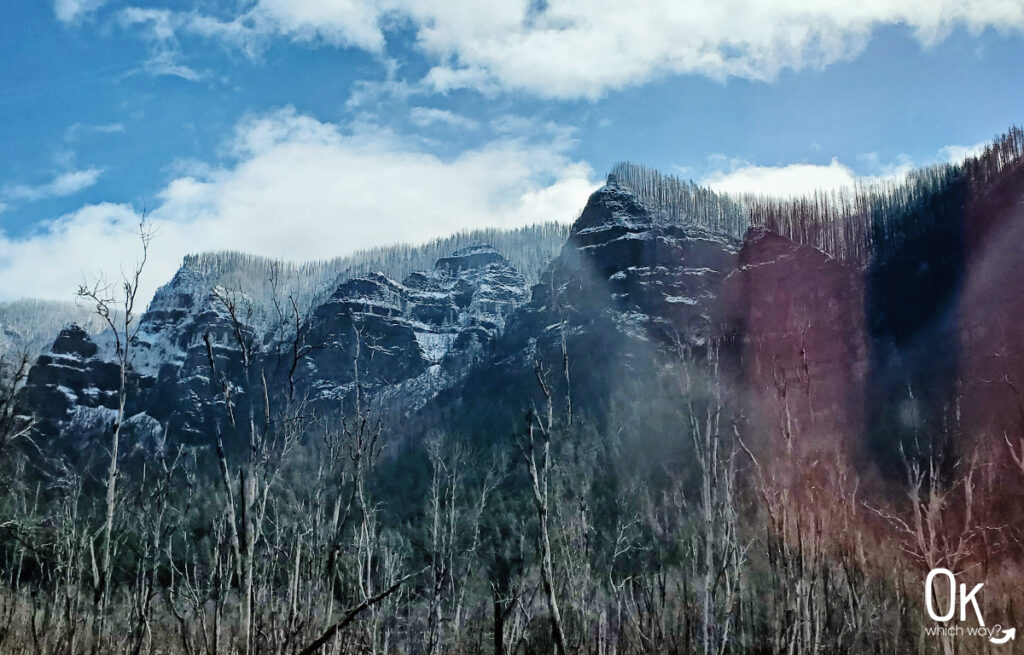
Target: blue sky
308	128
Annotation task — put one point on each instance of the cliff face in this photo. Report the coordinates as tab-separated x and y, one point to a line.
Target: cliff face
990	335
819	354
797	316
70	382
624	273
403	341
410	339
629	292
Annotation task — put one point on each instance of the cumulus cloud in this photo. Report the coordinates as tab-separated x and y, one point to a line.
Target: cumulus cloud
955	154
789	180
739	176
339	22
65	184
301	189
572	49
53	260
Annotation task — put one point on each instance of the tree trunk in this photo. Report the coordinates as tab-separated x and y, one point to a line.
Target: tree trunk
499	627
547	576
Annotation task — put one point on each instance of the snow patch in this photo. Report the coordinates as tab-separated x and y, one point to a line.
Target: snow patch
435	345
684	300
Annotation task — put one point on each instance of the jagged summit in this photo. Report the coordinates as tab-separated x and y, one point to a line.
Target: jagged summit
651	260
416	336
671	200
611	206
635	271
413	337
75	341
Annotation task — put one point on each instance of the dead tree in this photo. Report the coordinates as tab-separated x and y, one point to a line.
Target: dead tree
13	426
116	306
454	512
158	518
273	426
718	547
535	448
351	615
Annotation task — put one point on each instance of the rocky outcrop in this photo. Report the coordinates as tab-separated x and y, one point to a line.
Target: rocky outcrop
632	290
651	279
409	339
627	286
401	340
819	351
70	380
796	317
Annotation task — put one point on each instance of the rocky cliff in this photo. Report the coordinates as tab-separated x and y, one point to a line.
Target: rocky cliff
818	352
403	341
408	340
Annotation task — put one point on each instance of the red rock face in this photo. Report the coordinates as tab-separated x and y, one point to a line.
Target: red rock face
798	316
992	318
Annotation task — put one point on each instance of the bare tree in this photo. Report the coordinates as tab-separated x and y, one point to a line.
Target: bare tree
13	425
116	306
272	426
535	448
454	513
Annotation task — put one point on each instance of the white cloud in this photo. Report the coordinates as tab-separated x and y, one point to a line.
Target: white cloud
167	62
577	48
51	262
368	92
303	189
573	48
339	22
427	116
891	170
956	154
65	184
160	27
70	10
789	180
739	176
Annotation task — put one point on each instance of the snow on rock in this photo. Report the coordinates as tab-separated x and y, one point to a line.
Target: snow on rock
412	338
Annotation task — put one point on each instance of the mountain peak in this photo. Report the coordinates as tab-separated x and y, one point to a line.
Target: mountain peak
73	340
611	205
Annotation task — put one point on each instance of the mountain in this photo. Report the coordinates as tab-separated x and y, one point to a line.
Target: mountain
408	340
819	394
628	283
874	327
830	320
400	340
